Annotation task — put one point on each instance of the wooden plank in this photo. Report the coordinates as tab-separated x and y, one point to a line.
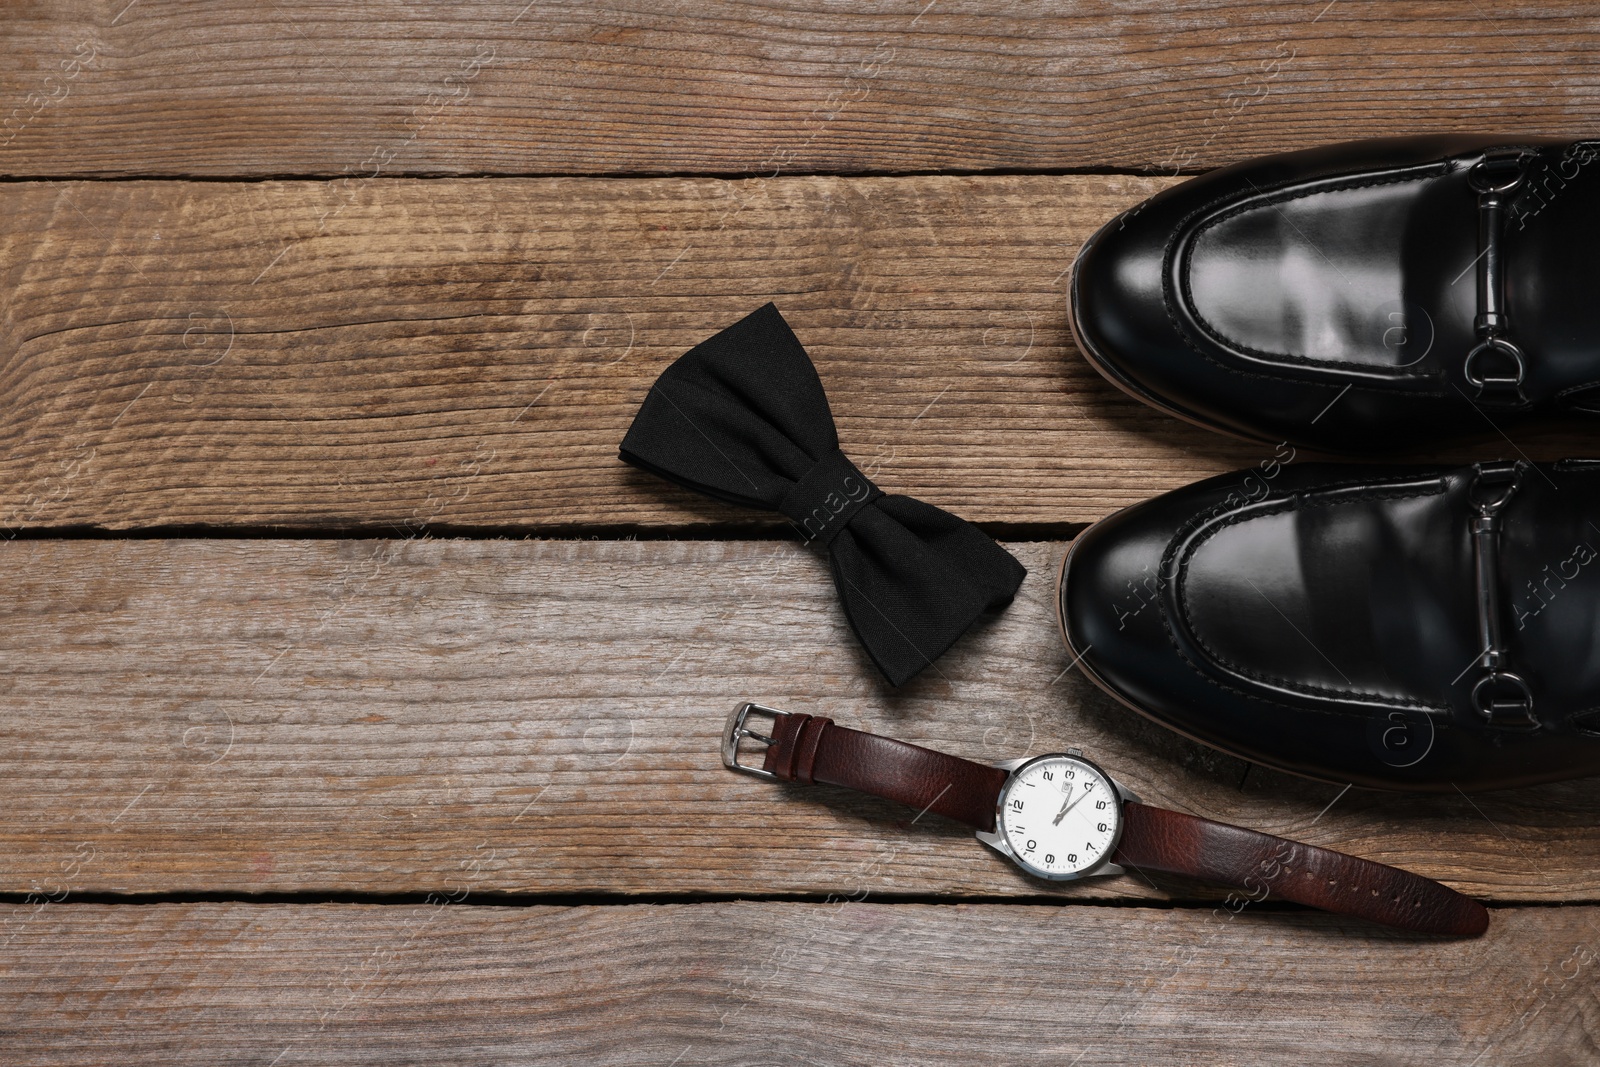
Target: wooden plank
303	87
542	717
468	354
824	983
471	352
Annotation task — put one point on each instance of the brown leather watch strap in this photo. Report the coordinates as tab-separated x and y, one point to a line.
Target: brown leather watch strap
809	748
1267	866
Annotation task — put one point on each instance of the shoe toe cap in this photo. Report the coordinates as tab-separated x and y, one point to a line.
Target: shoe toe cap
1119	313
1111	612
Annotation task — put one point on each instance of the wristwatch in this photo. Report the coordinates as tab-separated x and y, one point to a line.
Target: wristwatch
1062	817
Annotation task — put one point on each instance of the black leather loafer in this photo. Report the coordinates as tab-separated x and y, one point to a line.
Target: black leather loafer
1420	628
1376	294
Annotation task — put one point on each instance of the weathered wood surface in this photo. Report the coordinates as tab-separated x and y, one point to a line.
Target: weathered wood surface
339	716
485	720
302	87
856	983
469	353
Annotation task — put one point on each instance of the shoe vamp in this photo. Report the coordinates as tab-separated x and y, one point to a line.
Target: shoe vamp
1367	601
1550	241
1550	583
1341	277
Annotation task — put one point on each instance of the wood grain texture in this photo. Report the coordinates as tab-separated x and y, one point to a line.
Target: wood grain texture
471	352
536	717
845	983
468	353
312	87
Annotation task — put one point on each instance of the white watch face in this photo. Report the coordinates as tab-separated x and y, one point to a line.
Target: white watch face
1060	815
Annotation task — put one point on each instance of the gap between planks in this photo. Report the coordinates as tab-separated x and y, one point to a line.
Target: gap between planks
467	355
509	87
352	717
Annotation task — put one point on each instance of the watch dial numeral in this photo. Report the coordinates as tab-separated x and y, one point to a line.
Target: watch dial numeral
1045	851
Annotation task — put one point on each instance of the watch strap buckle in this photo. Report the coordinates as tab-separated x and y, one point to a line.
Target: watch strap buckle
736	731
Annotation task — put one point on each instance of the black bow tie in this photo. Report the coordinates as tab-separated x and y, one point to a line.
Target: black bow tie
742	417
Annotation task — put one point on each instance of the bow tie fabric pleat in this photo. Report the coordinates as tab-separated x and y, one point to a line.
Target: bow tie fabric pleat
743	417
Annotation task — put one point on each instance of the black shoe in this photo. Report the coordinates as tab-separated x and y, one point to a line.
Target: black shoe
1420	628
1368	295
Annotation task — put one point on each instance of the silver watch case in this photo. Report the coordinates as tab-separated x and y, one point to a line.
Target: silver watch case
995	840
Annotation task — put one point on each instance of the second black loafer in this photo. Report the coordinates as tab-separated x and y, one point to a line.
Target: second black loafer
1397	627
1369	295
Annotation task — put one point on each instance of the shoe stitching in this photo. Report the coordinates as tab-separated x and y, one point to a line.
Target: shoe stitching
1585	387
1217	334
1288	503
1256	698
1295	709
1586	731
1169	304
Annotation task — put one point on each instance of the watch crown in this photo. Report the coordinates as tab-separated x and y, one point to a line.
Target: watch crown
1074	751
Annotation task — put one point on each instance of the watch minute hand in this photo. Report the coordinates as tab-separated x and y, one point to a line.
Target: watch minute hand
1069	806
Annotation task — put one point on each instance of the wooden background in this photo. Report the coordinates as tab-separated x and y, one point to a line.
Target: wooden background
358	706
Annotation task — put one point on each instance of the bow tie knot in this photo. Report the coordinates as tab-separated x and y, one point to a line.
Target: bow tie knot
825	499
742	416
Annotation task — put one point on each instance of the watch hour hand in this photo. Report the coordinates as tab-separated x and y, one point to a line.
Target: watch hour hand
1070	804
